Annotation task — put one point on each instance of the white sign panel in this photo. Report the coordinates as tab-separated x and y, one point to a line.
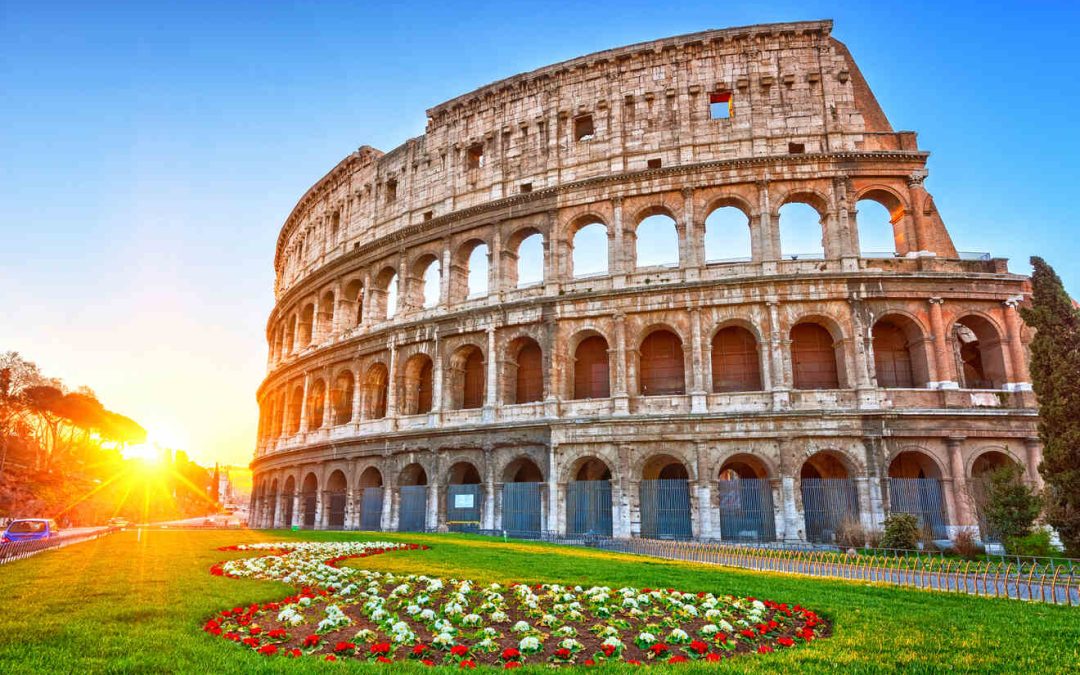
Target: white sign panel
463	501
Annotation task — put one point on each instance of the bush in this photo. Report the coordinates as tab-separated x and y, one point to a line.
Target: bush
850	534
965	545
901	531
1011	505
1035	544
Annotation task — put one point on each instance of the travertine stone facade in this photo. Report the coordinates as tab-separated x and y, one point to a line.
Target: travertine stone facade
650	389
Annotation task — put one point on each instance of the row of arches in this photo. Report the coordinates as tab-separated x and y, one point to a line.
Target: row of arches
745	497
657	239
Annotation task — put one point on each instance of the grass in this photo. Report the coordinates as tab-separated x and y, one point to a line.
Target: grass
128	605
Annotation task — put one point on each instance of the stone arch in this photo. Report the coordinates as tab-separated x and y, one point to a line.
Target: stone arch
735	357
466	378
418	385
521	264
728	231
522	469
463	472
745	499
914	462
288	494
290	335
657	232
828	463
325	321
466	271
370	477
979	352
341	397
589	467
337	492
524	371
307	325
900	345
316	405
309	500
829	496
797	230
896	233
592	365
385	299
665	466
413	474
983	464
425	283
744	465
665	505
352	302
988	459
376	388
587	243
296	409
817	353
661	363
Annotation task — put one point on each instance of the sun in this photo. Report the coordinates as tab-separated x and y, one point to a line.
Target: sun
149	453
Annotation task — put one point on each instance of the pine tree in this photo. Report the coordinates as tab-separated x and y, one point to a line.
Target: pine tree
1055	376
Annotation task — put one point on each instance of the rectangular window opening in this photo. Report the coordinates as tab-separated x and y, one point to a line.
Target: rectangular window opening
525	188
583	128
796	148
721	105
428	215
474	156
391	191
655	163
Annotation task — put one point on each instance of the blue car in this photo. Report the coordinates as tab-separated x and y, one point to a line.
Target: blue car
30	529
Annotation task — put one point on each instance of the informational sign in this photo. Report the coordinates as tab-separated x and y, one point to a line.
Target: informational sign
463	501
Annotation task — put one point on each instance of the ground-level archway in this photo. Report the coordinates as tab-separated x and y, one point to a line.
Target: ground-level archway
412	499
464	498
745	500
665	499
309	500
588	499
337	496
523	499
371	499
830	499
915	488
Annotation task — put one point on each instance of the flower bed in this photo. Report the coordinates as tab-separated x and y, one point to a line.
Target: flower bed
344	613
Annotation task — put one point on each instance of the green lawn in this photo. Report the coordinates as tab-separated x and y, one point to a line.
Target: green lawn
120	604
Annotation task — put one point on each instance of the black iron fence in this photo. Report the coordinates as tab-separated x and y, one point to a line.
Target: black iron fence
17	550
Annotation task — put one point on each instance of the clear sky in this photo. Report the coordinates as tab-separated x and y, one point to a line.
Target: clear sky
149	153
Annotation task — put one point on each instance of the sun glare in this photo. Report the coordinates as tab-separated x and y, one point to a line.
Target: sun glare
148	453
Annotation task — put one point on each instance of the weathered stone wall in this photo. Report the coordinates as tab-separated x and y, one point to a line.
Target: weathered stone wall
346	381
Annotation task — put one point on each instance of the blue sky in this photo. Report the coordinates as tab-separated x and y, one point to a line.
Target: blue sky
149	154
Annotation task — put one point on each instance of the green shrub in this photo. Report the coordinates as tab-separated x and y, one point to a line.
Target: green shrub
1011	505
901	531
966	546
1035	544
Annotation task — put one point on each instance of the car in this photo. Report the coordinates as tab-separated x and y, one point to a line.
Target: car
30	529
118	522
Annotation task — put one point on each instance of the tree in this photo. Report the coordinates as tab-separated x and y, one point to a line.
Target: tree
1011	505
1055	376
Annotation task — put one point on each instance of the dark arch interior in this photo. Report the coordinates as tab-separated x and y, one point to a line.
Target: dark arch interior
661	364
913	464
743	466
337	482
823	465
464	473
414	474
735	363
591	377
813	357
592	469
523	470
371	477
664	467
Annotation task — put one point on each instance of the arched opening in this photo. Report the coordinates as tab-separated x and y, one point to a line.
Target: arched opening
588	499
309	501
665	499
815	357
736	364
419	384
341	397
307	325
287	506
271	516
830	499
385	300
469	273
326	315
464	498
591	368
657	242
525	371
979	353
661	366
522	499
375	392
290	335
316	404
727	235
915	488
466	378
530	260
875	224
745	499
427	273
985	466
296	409
371	499
353	302
801	232
412	509
589	255
337	496
900	359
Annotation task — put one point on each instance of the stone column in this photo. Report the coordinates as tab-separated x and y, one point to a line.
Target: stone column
690	255
365	301
489	489
327	411
781	383
767	232
303	405
621	516
698	393
618	254
356	397
943	360
1019	378
552	275
436	383
1034	457
495	266
386	517
620	394
491	383
961	496
433	515
794	529
703	488
391	383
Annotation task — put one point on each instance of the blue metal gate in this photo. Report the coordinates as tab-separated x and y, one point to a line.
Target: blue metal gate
412	511
371	503
288	509
588	507
746	510
463	504
336	511
665	509
922	498
521	509
309	501
827	503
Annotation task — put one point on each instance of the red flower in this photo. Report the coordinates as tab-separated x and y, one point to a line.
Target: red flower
344	646
331	657
678	658
764	649
251	641
746	632
311	641
459	650
294	652
806	634
721	638
608	650
512	664
658	648
699	646
785	641
427	662
383	659
381	648
268	649
562	653
590	662
255	630
276	633
467	664
418	650
712	656
511	654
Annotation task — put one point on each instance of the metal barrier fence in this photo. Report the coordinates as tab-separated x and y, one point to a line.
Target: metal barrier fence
746	510
522	507
922	498
412	509
18	550
827	503
371	506
463	506
665	508
588	507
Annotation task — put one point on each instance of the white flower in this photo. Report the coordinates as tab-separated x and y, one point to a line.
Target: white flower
472	620
427	615
521	627
412	609
709	629
498	617
529	644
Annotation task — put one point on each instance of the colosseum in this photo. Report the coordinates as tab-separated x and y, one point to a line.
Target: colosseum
580	304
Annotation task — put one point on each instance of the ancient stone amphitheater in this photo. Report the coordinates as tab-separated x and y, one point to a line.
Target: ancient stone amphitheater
574	306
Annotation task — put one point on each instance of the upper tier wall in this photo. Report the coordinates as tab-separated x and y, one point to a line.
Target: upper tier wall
793	89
